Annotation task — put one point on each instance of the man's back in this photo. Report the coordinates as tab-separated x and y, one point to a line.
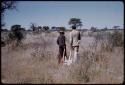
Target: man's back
61	40
75	37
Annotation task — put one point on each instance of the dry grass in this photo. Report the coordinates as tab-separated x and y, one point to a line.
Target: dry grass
36	62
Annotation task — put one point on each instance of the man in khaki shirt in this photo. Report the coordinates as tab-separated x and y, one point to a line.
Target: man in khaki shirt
75	38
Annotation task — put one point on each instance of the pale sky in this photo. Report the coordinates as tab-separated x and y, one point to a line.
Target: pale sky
57	13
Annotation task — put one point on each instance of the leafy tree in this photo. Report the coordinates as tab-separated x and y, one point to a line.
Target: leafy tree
7	5
116	27
62	28
75	22
23	29
45	28
33	26
5	30
53	28
39	28
104	29
93	29
15	28
16	34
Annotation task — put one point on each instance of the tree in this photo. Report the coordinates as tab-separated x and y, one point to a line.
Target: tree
62	28
45	28
53	28
33	26
23	29
5	30
116	27
93	29
39	28
75	22
104	29
16	34
7	5
15	27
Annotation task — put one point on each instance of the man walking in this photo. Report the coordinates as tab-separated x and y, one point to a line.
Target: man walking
75	38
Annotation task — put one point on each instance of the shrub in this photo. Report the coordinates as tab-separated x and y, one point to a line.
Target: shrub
2	44
109	40
117	38
17	34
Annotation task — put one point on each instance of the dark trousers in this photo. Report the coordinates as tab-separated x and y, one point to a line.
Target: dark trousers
61	51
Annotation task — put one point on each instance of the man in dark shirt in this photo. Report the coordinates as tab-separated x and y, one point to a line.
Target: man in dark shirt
61	42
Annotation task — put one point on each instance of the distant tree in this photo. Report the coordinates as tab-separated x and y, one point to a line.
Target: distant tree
16	34
80	25
15	27
116	27
45	28
104	29
7	5
23	29
62	28
33	26
39	28
53	28
75	22
93	29
29	30
4	30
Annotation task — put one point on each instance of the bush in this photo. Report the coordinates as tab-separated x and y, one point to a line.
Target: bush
16	34
117	38
109	40
2	44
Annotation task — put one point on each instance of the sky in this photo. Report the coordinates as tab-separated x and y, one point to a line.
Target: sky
58	13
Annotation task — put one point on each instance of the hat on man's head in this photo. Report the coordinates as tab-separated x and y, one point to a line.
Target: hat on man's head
61	31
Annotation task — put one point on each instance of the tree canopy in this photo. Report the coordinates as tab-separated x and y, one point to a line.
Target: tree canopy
75	22
7	5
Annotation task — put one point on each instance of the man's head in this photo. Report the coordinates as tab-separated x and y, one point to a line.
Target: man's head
61	32
73	27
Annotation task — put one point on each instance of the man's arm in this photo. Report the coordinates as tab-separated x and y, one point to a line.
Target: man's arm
71	40
79	36
65	40
58	40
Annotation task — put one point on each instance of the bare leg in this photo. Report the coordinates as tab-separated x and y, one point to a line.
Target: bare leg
75	54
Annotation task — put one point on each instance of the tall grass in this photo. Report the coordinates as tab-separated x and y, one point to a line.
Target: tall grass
38	62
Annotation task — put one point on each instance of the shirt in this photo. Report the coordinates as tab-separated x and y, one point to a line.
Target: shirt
75	38
61	40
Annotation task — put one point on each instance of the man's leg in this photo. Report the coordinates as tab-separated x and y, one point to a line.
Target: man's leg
75	54
61	54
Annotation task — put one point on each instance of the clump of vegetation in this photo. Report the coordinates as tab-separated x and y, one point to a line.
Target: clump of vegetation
16	35
93	29
109	40
2	44
117	38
